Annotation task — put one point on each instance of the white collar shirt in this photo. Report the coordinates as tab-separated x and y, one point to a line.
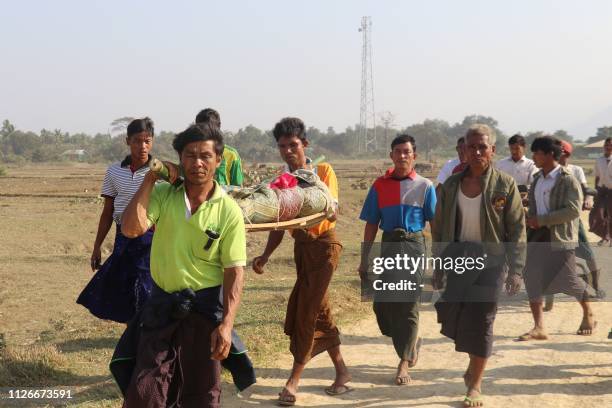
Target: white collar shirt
543	188
603	171
522	171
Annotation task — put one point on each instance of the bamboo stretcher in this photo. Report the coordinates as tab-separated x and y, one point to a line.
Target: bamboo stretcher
303	222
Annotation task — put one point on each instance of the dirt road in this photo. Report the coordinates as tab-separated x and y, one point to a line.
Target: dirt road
565	371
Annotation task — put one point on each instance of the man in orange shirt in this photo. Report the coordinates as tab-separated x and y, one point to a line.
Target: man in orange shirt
317	250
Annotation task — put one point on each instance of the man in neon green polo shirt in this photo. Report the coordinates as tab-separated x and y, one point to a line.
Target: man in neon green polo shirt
198	245
229	172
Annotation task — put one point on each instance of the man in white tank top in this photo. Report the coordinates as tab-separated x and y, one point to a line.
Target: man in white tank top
478	208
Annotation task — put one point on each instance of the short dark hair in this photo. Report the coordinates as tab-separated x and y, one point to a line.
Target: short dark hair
461	140
608	139
290	127
547	144
209	115
517	139
200	132
140	125
403	138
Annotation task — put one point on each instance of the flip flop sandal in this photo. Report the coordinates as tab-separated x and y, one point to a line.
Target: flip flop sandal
472	401
529	336
338	390
403	380
286	401
580	331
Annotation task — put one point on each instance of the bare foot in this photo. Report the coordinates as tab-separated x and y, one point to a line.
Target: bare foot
534	334
473	398
587	326
402	377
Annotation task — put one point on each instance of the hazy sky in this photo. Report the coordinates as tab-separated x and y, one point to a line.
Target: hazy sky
533	65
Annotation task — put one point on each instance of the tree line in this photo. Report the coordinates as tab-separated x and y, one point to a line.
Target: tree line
434	137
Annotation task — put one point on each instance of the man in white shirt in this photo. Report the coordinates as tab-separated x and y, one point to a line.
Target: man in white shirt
447	170
555	201
517	165
584	250
599	219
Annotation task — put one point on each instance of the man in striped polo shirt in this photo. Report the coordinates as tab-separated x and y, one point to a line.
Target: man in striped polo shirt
399	203
121	182
123	283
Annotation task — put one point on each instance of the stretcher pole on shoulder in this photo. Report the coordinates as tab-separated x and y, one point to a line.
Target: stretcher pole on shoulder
159	168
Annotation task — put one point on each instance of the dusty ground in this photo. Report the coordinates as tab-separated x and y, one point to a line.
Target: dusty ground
45	244
565	371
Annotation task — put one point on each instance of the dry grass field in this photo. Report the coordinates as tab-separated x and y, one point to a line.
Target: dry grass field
48	221
49	217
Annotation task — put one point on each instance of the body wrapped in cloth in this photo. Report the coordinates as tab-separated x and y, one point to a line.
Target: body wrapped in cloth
289	196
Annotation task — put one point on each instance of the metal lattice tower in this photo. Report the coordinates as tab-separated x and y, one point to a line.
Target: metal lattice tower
367	118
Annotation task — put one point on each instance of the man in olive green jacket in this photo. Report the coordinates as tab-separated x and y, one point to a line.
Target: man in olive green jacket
479	211
555	201
501	217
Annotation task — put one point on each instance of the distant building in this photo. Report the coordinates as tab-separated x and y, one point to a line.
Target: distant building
75	155
596	145
593	150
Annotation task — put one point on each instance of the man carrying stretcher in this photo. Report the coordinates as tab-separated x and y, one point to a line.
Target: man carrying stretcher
317	251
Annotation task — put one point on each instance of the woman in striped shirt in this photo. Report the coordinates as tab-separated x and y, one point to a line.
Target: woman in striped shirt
122	284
